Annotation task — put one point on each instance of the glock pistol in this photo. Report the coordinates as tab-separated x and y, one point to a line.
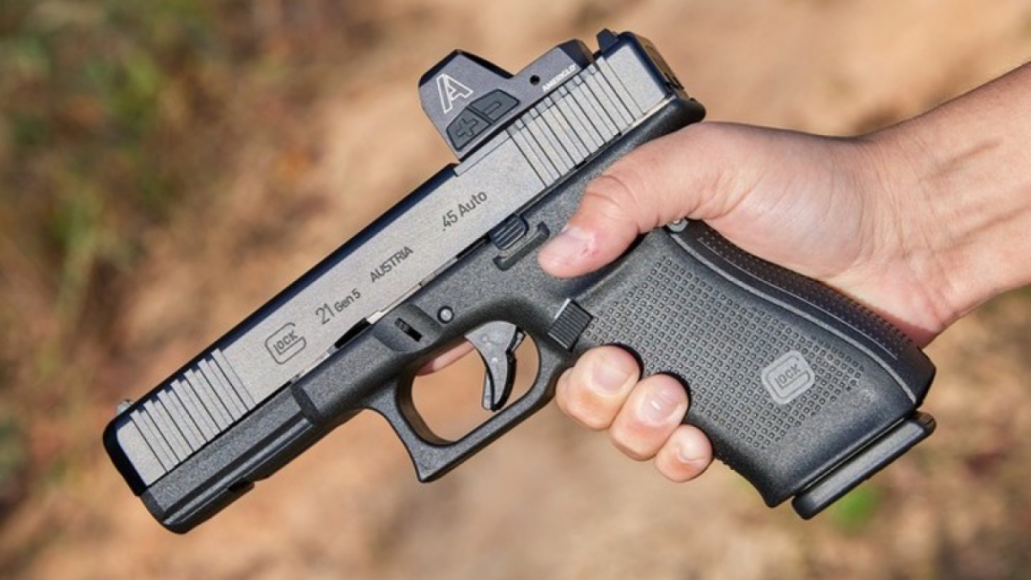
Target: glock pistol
801	390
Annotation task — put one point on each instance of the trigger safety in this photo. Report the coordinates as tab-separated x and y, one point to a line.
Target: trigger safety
496	342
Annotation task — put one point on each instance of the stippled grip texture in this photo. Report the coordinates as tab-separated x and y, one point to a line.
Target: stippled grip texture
787	376
832	302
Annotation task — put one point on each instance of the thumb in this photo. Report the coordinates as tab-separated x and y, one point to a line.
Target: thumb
673	177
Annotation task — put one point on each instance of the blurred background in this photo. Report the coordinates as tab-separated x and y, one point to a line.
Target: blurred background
167	166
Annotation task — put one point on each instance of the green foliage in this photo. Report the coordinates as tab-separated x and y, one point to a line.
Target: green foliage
101	107
93	96
852	512
112	113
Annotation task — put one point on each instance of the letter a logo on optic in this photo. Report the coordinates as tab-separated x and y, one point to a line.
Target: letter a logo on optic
450	90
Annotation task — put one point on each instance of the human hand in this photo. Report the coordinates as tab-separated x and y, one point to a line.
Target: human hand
828	208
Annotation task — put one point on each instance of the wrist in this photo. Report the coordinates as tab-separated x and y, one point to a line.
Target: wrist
958	205
906	258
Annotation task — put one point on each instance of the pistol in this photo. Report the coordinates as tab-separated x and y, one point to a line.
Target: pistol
801	390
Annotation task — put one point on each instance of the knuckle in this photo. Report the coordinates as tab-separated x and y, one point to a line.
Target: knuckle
584	410
633	443
613	357
591	355
668	468
578	384
611	195
678	473
587	414
594	422
631	448
692	469
690	464
689	451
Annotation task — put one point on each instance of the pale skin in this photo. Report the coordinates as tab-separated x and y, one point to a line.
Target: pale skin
922	222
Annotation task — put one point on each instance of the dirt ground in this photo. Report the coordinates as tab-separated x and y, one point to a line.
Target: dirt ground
550	500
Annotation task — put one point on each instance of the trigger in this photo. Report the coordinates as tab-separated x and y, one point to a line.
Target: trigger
496	342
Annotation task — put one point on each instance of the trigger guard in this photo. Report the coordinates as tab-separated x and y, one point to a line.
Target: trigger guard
433	456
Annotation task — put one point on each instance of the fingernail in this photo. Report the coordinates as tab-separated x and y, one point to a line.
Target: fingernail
570	245
687	453
608	379
659	406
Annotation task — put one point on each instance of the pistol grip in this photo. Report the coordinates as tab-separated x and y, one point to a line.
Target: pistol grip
790	379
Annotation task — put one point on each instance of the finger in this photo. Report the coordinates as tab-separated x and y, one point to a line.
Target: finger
445	359
652	412
685	455
593	391
660	182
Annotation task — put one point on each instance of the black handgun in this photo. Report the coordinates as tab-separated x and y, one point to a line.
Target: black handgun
801	390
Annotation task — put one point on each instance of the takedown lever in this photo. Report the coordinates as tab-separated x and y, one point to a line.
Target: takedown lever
496	342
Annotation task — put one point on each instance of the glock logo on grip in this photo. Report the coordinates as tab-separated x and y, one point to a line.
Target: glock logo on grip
284	343
788	377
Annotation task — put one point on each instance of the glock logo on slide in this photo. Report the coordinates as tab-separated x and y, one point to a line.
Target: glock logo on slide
284	343
788	377
450	91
